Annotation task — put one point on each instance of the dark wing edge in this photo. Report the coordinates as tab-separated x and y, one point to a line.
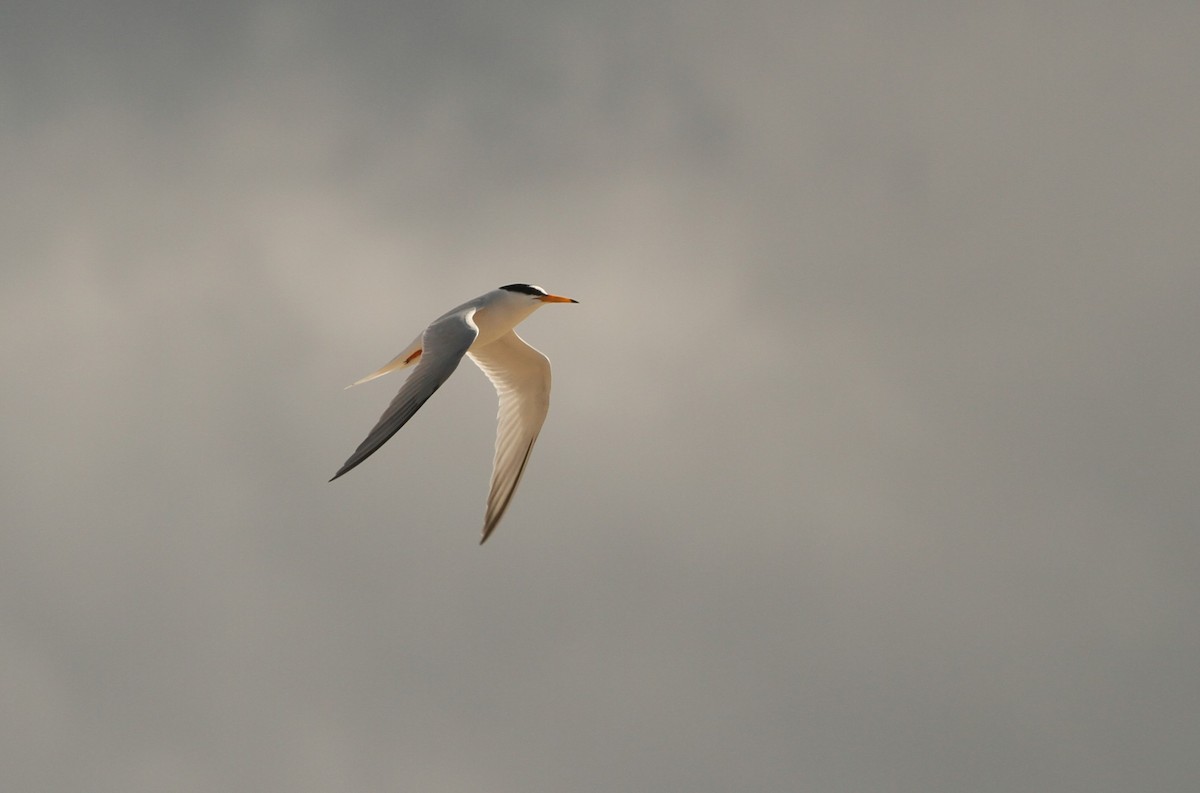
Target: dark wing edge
444	344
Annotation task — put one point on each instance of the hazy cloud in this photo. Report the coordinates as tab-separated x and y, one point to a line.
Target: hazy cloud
872	454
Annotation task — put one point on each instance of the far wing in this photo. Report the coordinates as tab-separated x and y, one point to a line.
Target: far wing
443	345
521	376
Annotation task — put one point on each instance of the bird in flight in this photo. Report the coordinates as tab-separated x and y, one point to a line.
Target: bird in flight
482	329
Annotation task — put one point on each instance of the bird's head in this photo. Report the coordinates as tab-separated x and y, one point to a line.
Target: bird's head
536	294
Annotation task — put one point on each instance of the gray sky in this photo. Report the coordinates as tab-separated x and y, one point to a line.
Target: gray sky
872	463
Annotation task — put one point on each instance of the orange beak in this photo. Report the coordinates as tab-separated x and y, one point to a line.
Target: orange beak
556	299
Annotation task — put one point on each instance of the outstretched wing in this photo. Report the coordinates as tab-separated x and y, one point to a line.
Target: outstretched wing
521	376
443	345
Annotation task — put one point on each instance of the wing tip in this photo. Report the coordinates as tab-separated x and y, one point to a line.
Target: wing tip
344	469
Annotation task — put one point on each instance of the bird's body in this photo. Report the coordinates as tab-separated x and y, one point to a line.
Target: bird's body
483	329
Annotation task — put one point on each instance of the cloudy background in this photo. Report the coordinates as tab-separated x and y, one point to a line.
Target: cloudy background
873	459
